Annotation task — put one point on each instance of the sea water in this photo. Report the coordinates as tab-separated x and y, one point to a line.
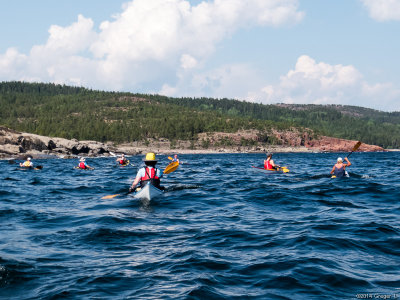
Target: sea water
222	230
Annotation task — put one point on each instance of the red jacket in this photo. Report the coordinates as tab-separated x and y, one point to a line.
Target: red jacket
151	172
267	165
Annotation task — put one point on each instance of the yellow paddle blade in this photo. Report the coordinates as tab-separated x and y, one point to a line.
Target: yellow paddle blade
285	170
170	158
356	146
171	167
110	196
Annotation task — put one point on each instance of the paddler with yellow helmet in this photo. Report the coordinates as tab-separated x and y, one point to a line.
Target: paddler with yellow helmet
149	173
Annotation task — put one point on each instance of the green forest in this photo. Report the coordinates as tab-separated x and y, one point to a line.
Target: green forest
76	112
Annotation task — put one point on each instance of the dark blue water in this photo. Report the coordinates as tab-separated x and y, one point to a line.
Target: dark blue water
222	231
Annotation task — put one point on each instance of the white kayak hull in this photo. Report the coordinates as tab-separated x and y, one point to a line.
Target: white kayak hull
148	192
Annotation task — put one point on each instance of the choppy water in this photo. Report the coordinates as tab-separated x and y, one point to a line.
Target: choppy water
222	231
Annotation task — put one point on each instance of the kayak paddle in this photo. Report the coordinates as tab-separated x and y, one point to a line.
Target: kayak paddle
116	195
110	196
283	169
356	146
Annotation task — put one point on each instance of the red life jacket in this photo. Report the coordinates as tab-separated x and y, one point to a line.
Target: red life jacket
267	165
121	162
82	165
151	172
150	176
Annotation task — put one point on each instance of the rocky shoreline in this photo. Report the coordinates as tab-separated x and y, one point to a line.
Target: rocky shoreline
19	145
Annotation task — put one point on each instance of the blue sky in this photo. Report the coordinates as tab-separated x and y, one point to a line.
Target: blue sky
265	51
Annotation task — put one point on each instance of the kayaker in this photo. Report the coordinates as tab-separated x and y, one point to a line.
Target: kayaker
83	165
176	158
269	163
27	164
339	169
149	173
122	160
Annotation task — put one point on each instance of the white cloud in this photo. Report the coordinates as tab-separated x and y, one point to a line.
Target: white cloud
321	83
383	10
148	45
228	81
188	61
167	90
12	63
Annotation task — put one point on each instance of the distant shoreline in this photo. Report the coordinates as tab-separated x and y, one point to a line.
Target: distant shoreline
135	151
19	145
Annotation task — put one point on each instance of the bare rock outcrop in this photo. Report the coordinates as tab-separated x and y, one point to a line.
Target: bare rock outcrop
330	144
295	138
14	143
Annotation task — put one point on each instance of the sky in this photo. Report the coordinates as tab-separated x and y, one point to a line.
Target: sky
265	51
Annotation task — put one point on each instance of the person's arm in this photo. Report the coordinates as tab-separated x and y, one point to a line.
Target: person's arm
273	164
333	170
348	162
136	181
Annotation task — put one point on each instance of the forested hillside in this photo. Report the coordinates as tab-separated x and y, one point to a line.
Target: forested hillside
71	112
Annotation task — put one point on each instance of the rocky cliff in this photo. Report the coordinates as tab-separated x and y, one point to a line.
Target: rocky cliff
252	140
330	144
14	143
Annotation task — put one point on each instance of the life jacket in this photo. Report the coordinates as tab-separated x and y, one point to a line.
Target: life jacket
150	176
27	164
267	165
339	172
82	165
122	162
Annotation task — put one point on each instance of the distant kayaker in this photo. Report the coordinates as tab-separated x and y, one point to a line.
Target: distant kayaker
83	165
149	173
176	158
269	163
339	169
27	164
122	160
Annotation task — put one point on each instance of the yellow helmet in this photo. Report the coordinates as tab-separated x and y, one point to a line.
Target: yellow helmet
150	157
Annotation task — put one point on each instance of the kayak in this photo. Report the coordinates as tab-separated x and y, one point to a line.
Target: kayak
30	168
77	168
148	192
171	167
345	175
125	164
278	170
